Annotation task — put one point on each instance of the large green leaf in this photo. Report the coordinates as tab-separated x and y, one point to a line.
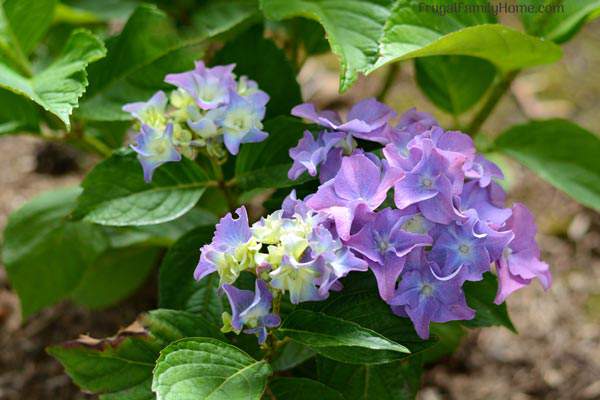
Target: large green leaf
217	16
114	275
120	367
90	264
261	60
561	152
138	59
480	297
339	339
454	83
29	20
369	34
290	355
114	192
399	380
46	255
301	389
204	368
560	20
353	28
360	303
58	87
177	287
16	113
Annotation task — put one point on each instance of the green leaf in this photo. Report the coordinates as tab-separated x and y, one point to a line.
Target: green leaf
338	339
177	287
16	113
58	87
449	337
291	355
369	34
266	164
480	297
217	16
353	28
399	380
163	235
120	367
46	256
560	23
560	152
204	368
301	389
454	83
261	60
138	59
114	275
29	20
360	303
90	264
114	192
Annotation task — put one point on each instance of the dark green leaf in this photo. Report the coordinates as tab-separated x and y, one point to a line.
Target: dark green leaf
138	59
449	337
480	297
261	60
399	380
120	367
58	87
46	256
177	287
217	16
360	303
291	355
204	368
560	20
16	113
114	192
560	152
114	275
29	20
454	83
369	34
301	389
339	339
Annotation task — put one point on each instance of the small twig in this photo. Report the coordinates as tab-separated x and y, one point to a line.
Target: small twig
491	102
390	77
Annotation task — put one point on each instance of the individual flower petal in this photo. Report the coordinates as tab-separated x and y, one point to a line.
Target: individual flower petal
151	112
154	149
298	278
427	299
520	262
310	153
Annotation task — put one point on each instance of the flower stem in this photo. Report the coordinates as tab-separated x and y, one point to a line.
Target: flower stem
390	77
222	184
494	97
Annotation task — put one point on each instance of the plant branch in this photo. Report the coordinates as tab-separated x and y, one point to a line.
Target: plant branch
490	103
390	77
222	184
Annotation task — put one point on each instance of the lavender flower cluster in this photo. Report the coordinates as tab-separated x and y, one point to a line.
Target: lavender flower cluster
209	108
424	215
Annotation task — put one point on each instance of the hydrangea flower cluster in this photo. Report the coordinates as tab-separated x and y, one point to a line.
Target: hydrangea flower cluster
424	215
210	108
294	250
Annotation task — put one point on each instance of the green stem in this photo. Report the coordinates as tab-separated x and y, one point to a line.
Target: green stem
222	184
490	103
97	145
390	77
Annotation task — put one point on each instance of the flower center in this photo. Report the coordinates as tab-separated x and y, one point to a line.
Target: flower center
464	249
427	183
426	290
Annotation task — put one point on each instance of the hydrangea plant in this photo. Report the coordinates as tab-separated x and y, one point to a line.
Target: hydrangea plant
297	248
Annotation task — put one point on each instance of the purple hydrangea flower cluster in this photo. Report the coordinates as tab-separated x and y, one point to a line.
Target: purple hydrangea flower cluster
424	215
294	250
210	108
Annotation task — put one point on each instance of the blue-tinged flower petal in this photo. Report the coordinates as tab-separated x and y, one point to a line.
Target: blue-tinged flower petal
154	149
151	112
